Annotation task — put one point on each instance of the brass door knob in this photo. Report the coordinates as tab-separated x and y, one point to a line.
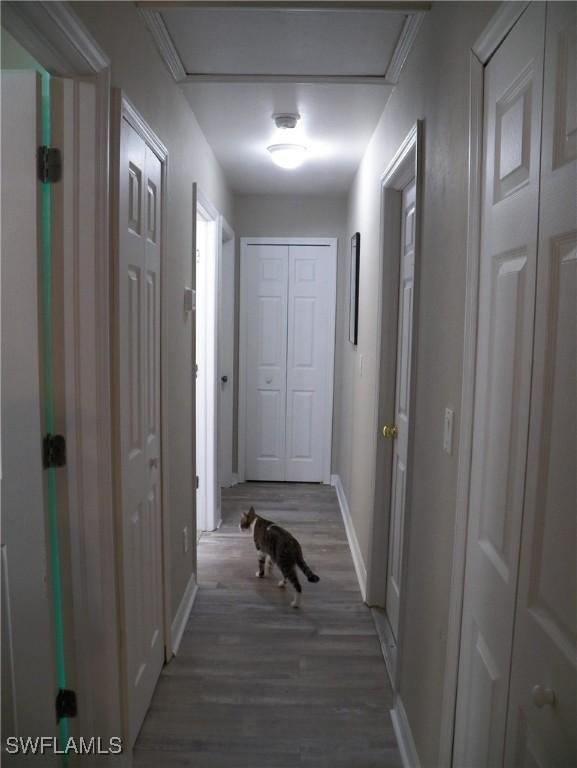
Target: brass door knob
391	431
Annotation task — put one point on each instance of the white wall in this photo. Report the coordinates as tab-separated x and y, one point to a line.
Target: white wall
290	216
433	87
139	71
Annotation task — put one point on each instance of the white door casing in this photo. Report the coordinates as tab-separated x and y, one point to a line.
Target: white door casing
541	733
28	677
512	131
265	280
207	396
288	303
310	345
226	343
138	294
402	403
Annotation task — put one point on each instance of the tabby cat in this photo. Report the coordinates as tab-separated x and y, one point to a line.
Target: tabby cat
275	545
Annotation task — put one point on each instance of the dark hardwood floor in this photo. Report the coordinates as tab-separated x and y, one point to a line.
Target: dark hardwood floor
258	684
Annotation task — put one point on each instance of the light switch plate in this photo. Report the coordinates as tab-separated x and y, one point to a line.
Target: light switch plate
189	299
448	431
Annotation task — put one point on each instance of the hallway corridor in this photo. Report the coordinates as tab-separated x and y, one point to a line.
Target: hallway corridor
257	684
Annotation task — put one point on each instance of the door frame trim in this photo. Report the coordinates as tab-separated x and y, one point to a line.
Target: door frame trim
405	165
204	208
123	109
482	50
55	36
226	236
332	243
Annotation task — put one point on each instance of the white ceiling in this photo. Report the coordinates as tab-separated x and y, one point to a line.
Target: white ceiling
240	66
336	124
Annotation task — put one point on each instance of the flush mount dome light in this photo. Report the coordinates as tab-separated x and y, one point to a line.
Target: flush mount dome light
288	155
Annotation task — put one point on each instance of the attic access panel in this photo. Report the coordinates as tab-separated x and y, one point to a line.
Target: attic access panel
268	42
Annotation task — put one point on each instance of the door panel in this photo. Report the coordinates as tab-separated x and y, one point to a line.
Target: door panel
312	276
402	400
28	676
511	154
266	282
139	382
545	648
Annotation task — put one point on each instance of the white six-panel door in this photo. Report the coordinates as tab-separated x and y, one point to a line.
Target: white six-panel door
311	306
288	310
265	269
512	140
402	401
139	399
542	717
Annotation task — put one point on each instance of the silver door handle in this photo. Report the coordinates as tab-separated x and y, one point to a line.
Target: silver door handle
542	696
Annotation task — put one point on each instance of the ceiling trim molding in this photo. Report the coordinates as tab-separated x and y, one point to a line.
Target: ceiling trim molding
53	34
403	47
329	79
164	43
150	12
497	30
292	5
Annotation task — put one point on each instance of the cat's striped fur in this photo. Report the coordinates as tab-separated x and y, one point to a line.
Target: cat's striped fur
276	545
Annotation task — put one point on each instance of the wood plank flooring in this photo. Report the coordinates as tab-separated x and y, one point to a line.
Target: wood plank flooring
258	684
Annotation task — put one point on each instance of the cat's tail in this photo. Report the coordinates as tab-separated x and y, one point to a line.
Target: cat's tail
312	577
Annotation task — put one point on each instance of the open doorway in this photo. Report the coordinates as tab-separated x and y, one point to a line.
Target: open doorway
206	355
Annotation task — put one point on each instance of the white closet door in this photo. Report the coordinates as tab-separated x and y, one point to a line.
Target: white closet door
542	704
311	304
402	401
28	676
512	141
139	379
266	288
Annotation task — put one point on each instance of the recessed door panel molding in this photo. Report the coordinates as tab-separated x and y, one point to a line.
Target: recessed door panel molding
507	273
287	354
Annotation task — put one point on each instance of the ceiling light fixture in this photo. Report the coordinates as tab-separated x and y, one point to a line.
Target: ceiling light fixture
286	120
288	155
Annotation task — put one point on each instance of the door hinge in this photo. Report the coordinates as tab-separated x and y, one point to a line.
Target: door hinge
66	705
197	482
53	451
49	164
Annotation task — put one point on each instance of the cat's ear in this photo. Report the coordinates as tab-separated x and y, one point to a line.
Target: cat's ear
251	511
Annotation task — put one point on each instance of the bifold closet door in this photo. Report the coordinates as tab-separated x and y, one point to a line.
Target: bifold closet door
266	281
311	281
543	695
510	212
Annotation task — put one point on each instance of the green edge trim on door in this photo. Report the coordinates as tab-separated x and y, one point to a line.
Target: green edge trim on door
48	383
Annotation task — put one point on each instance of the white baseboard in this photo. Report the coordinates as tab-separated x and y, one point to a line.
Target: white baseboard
183	612
234	480
360	567
405	741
